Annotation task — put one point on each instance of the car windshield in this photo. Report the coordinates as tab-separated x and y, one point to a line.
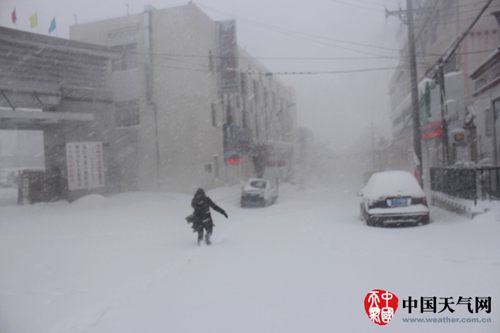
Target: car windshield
227	166
261	184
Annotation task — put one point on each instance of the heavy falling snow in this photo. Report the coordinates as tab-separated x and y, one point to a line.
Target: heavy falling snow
366	132
130	263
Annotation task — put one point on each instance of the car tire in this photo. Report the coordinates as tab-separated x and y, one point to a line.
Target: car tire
369	220
426	220
373	222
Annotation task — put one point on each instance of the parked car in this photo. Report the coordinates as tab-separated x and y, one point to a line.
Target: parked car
393	197
258	192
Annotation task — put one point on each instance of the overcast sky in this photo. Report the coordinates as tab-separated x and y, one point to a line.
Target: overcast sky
337	107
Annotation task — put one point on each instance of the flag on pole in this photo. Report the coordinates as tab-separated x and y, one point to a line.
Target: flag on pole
33	20
53	25
13	16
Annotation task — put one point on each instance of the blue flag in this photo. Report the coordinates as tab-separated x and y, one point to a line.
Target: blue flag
52	25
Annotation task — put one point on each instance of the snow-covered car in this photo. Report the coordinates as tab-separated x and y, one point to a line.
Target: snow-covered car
393	197
258	192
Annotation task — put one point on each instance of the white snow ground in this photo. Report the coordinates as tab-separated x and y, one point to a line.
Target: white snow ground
129	263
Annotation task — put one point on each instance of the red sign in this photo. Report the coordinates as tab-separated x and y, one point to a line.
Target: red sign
433	129
234	160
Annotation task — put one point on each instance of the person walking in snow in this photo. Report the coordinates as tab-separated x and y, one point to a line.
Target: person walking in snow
202	219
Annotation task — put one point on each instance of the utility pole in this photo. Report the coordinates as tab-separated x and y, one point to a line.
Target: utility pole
417	144
444	111
374	164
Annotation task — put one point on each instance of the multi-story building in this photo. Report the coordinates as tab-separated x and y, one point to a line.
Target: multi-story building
437	26
193	109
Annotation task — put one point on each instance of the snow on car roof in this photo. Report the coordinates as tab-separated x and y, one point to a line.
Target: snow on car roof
392	183
256	179
250	184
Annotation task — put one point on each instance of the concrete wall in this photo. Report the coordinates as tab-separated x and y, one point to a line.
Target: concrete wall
135	145
184	89
56	137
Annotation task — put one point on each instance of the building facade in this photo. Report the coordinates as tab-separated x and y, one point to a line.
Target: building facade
437	26
192	109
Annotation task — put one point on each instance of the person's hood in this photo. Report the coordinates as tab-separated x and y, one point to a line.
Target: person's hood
200	193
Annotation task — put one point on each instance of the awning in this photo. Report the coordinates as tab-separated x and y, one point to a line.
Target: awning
37	119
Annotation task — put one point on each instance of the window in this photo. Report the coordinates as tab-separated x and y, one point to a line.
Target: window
488	117
255	91
244	122
210	61
229	116
127	113
434	26
213	114
216	166
243	84
257	129
127	58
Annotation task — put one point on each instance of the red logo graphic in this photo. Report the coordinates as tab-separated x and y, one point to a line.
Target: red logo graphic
380	306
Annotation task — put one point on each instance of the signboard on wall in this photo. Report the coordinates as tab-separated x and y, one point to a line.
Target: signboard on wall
237	141
228	56
85	165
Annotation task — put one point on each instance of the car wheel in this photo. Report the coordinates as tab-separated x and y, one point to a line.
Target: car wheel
374	222
426	220
369	220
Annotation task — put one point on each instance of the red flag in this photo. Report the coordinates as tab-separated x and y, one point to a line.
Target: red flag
13	16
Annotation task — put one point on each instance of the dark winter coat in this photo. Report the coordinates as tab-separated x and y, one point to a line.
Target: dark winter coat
201	204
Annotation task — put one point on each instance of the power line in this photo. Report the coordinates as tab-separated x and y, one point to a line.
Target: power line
454	12
363	70
191	55
184	58
309	36
271	73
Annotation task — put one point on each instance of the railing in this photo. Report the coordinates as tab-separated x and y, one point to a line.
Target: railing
467	183
489	182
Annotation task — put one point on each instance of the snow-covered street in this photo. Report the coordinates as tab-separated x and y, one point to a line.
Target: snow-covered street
130	263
